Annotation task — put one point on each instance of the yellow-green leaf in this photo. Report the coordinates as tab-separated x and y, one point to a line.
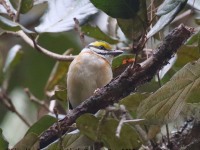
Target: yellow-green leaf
58	73
27	142
106	132
132	102
26	5
167	102
42	124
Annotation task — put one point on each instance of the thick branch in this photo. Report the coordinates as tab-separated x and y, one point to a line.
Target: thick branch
123	85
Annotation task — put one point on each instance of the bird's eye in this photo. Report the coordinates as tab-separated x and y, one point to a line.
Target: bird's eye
102	47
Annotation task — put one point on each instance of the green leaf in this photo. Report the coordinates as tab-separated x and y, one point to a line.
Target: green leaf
61	94
9	25
167	6
153	131
106	132
195	38
57	75
60	14
13	58
73	140
186	54
3	142
132	102
41	125
96	33
121	62
191	109
166	19
135	27
122	59
117	8
26	5
167	102
29	141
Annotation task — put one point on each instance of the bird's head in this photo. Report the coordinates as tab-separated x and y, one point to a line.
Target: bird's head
103	48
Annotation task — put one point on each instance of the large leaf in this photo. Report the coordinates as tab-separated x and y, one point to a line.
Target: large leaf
3	142
9	25
73	140
166	103
191	109
194	39
167	18
117	8
26	5
58	73
132	102
44	123
186	54
61	13
194	3
28	142
135	27
96	33
106	132
167	6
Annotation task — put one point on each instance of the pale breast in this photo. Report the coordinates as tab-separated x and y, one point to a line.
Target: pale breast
86	73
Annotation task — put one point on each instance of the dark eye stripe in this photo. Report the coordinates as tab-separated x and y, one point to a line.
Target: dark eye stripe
102	47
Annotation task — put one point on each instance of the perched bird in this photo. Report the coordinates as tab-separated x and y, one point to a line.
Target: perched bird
90	70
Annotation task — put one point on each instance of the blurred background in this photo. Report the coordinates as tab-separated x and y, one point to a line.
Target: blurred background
33	69
32	72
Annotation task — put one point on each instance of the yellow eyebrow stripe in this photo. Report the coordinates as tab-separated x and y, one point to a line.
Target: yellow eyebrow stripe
102	43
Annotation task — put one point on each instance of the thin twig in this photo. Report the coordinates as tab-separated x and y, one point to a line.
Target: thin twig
159	81
7	7
44	51
16	19
167	129
101	121
138	48
59	128
119	127
134	121
10	106
36	100
78	29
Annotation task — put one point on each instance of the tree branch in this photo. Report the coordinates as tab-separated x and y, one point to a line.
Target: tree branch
124	84
7	102
44	51
8	9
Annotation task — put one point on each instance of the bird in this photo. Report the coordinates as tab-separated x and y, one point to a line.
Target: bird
89	71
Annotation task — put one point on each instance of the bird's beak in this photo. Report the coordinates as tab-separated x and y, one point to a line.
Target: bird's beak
117	52
114	52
